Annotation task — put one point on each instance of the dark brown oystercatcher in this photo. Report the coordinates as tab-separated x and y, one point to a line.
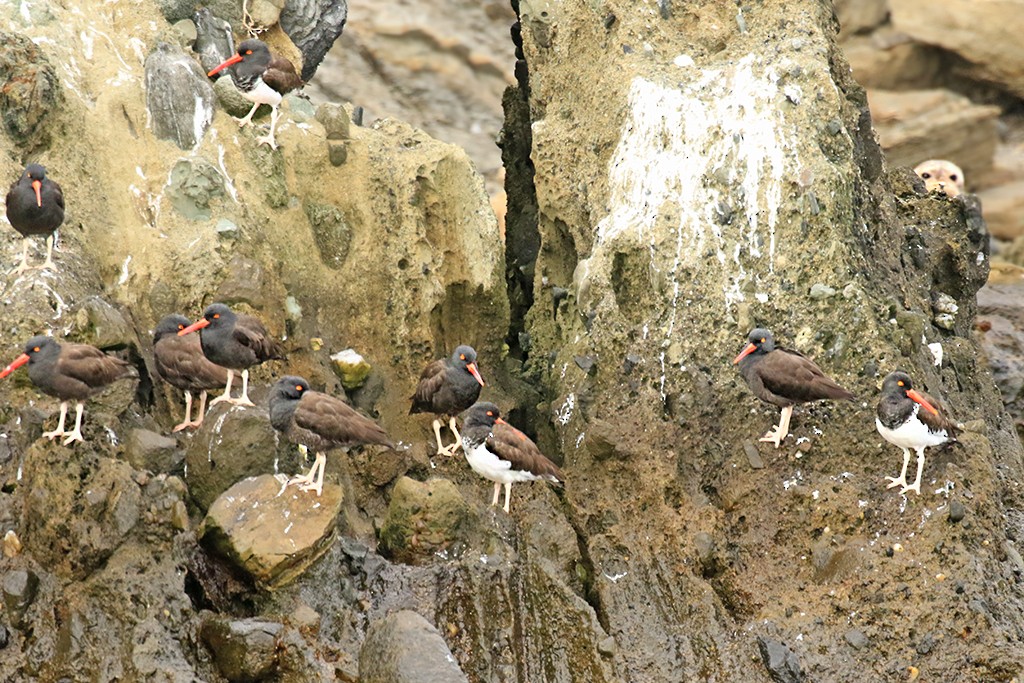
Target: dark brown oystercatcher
902	422
784	378
35	207
262	78
69	372
446	388
182	364
236	342
498	451
319	422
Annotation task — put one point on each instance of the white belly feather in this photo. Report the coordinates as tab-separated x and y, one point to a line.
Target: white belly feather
490	466
263	94
912	434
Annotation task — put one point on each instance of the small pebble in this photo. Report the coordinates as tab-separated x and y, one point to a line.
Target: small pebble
957	511
753	455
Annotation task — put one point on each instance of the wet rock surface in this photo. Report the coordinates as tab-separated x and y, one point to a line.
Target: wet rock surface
243	649
424	519
178	96
406	648
271	532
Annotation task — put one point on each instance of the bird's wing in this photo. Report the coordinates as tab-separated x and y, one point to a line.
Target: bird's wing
335	420
58	195
181	360
510	444
89	365
430	382
280	75
936	423
250	332
793	375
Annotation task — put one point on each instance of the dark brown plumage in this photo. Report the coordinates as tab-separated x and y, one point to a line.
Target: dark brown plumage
35	207
784	378
498	451
236	342
181	363
319	422
448	386
69	372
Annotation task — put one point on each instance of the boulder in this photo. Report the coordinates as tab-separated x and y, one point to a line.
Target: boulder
1001	306
1003	207
271	532
30	92
148	450
179	97
889	60
406	648
19	589
935	124
214	42
313	25
233	443
243	649
423	518
858	16
977	31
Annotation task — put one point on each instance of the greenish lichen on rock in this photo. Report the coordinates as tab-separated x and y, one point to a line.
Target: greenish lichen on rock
424	519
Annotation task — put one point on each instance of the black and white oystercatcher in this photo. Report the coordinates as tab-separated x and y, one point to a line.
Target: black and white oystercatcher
784	378
498	451
909	419
35	207
234	341
446	388
182	364
262	78
319	422
69	372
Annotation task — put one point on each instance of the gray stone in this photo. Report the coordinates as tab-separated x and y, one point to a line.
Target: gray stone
299	108
957	511
335	120
194	184
29	92
265	12
753	455
270	532
856	638
406	648
821	291
781	662
232	444
186	28
423	518
244	283
331	233
20	587
147	450
226	229
231	99
175	10
178	96
214	42
104	326
313	25
243	649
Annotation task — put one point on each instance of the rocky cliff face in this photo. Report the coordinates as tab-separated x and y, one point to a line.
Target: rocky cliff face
676	175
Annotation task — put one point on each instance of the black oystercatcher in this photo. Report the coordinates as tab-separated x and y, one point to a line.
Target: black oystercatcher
262	78
784	378
900	420
319	422
69	372
182	364
498	451
446	388
35	207
236	342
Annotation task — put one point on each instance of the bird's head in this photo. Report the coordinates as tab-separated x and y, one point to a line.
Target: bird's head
759	340
252	52
465	357
37	347
899	384
169	325
483	414
215	315
35	174
291	387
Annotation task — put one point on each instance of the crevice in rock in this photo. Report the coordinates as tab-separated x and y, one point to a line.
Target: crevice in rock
522	237
590	592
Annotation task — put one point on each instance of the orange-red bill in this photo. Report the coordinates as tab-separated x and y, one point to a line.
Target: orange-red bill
234	60
476	373
500	421
749	349
918	398
37	185
197	325
15	364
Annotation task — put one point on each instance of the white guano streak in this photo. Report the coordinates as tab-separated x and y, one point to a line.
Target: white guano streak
675	139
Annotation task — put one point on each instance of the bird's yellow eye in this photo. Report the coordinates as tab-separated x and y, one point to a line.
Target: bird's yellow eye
489	413
248	52
762	340
216	315
298	387
462	356
180	326
36	350
900	383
